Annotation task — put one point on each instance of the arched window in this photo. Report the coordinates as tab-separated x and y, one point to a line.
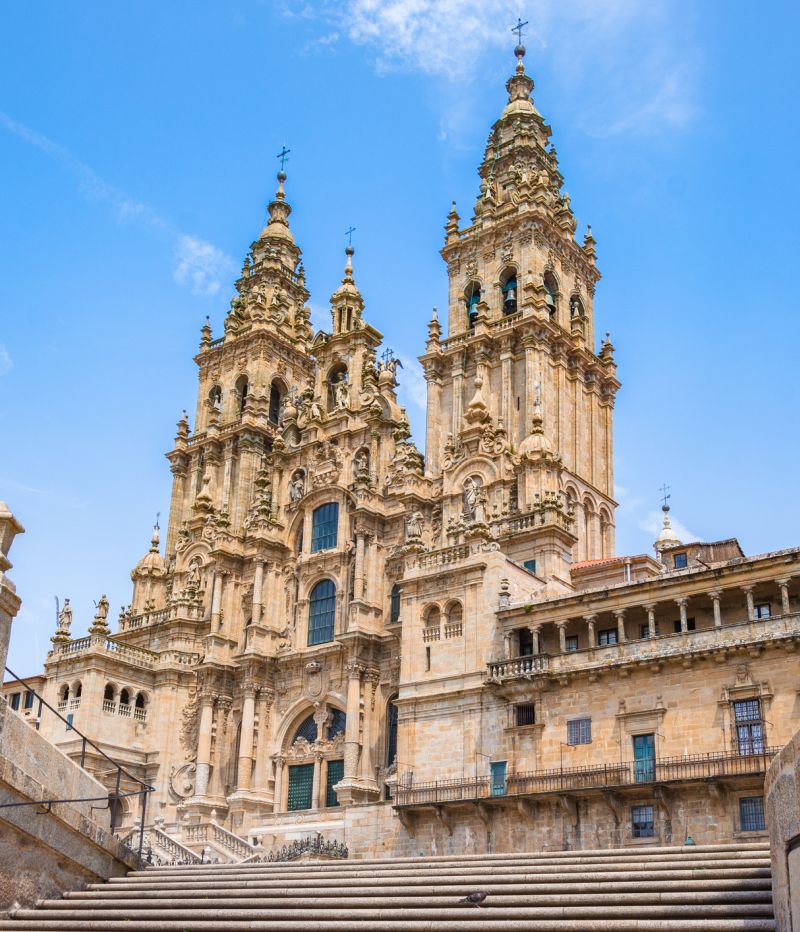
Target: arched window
509	289
394	606
455	613
108	693
242	388
64	695
76	692
551	293
391	733
321	612
276	396
472	298
432	617
324	527
306	729
139	701
124	697
337	724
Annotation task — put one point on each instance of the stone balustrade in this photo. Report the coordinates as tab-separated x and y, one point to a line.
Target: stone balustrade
518	667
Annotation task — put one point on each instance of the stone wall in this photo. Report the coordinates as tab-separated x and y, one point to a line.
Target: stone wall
42	854
782	791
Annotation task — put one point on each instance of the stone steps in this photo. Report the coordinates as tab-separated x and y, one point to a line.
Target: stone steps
622	890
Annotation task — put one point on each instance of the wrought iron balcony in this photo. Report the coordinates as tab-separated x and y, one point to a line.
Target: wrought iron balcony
614	776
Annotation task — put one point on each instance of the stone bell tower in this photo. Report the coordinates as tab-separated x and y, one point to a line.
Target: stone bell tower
516	378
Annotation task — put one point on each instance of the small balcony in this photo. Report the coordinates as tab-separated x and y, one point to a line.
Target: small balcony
697	768
518	667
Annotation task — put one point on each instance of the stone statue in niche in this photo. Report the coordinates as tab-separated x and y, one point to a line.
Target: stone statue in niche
414	525
297	486
342	392
361	464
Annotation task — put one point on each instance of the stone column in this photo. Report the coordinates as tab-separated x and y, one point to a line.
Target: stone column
506	406
258	588
784	587
751	608
216	600
358	587
370	686
227	474
434	421
530	382
353	671
246	737
458	392
620	616
315	803
562	636
507	645
682	603
277	797
204	729
590	623
535	631
715	595
651	619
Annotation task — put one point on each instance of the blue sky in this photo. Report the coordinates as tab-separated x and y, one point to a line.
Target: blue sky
137	154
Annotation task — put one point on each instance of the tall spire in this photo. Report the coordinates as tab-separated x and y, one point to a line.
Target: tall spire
279	210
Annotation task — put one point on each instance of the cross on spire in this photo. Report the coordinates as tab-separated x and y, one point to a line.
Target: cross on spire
665	495
518	29
283	155
349	234
157	525
387	355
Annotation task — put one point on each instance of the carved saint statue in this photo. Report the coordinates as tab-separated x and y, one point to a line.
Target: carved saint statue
361	464
413	525
342	392
102	609
297	486
65	616
193	582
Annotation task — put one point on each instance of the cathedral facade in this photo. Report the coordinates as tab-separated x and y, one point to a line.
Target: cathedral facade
444	652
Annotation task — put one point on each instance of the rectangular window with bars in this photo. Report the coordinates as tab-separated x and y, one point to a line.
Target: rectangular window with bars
751	814
642	822
335	774
324	527
579	731
301	782
525	713
749	726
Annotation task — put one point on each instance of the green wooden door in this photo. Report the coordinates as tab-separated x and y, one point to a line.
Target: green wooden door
301	783
498	769
335	774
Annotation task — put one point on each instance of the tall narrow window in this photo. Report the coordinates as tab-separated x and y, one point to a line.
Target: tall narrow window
642	821
321	612
324	527
749	726
335	775
275	402
510	294
644	758
579	731
551	294
301	782
394	607
751	814
391	734
15	701
472	298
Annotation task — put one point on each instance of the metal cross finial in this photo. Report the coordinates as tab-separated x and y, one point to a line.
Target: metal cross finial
158	515
349	234
518	29
283	155
665	494
387	355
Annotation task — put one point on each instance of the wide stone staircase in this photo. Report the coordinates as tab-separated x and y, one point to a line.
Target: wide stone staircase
720	887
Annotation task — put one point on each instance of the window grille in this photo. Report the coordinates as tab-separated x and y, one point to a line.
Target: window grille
301	782
321	612
579	731
749	726
607	636
571	642
642	822
394	608
526	714
324	527
335	774
307	730
337	725
751	814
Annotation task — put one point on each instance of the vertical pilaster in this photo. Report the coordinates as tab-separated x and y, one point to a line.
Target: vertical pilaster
246	737
353	671
204	729
258	591
433	426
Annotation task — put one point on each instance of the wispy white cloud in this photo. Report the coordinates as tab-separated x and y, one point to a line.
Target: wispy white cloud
6	362
320	316
412	389
199	264
630	63
653	521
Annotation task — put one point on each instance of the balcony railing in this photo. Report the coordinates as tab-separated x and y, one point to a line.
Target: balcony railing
519	667
606	776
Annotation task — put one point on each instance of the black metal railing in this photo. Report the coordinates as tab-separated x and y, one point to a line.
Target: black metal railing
111	800
605	776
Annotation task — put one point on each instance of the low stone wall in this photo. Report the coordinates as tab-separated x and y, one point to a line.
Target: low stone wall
782	792
42	854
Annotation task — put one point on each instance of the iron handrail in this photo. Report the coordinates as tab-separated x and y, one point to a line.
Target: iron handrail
565	779
116	796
